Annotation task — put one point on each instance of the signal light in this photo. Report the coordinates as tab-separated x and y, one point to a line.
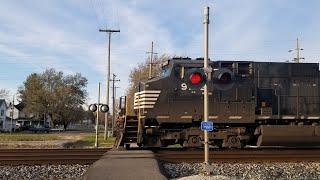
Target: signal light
103	108
93	107
196	78
223	79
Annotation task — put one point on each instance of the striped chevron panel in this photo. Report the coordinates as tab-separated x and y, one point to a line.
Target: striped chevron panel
146	99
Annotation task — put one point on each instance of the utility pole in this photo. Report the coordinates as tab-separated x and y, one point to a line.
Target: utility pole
109	31
151	60
298	49
12	111
113	101
97	118
205	93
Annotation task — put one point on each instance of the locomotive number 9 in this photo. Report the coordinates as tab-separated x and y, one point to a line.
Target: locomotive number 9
184	86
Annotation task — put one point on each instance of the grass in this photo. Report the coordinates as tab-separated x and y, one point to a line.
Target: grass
89	141
77	140
6	137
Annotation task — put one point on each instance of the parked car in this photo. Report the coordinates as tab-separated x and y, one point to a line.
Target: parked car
40	129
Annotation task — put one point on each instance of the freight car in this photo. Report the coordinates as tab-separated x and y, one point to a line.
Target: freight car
250	103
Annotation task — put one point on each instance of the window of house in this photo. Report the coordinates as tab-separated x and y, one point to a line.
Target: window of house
2	112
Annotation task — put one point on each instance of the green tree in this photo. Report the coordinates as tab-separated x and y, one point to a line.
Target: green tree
33	94
140	74
52	93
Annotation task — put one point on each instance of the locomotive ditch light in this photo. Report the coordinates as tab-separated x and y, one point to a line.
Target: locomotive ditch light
93	107
196	78
104	108
223	79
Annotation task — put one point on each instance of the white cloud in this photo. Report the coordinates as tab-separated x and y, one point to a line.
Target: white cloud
68	39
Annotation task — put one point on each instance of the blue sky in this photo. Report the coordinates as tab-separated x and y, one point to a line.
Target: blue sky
63	34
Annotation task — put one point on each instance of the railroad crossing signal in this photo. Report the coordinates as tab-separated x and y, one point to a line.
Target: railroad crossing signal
103	108
196	78
223	79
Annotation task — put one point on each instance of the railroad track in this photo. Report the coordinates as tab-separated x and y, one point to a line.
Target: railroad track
50	156
88	156
243	156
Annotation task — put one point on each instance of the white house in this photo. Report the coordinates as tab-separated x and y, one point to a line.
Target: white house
20	118
29	119
3	110
11	121
5	116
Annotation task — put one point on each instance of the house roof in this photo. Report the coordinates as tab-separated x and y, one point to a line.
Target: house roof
20	106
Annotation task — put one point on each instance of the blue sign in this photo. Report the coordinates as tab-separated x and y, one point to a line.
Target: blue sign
207	126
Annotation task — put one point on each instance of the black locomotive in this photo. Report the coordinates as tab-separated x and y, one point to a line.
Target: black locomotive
250	103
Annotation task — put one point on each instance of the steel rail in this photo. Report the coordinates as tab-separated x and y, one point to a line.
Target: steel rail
50	156
243	156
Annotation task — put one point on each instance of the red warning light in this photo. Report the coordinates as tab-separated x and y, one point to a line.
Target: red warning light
225	78
195	78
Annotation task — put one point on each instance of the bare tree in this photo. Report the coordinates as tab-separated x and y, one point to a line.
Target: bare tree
141	73
4	94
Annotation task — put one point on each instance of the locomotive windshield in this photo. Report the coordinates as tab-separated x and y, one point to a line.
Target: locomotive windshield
165	71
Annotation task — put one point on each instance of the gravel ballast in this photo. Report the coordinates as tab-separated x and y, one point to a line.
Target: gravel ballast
185	171
43	172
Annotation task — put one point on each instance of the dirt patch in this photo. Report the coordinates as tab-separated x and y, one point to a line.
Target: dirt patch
54	144
38	141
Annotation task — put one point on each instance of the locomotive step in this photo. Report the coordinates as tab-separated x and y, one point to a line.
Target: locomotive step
131	132
130	123
131	136
130	139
